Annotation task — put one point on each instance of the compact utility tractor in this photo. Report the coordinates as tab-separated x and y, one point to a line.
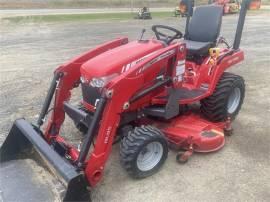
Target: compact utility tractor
144	14
182	8
139	93
255	5
229	6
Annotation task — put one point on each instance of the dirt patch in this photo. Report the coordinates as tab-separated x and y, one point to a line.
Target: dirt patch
87	3
33	181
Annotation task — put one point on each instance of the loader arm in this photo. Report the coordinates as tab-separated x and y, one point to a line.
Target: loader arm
117	103
69	79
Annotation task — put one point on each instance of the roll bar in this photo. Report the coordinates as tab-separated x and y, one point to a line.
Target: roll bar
240	25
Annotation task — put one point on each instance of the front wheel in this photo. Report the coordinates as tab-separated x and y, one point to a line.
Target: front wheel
227	99
143	151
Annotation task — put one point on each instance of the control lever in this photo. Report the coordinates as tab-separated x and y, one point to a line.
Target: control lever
142	33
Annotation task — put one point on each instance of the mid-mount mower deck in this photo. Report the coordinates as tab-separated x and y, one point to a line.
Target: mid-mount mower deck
141	93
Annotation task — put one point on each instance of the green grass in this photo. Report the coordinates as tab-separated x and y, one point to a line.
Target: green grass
95	17
82	17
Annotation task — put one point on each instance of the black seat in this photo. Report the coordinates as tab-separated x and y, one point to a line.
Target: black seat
203	29
198	48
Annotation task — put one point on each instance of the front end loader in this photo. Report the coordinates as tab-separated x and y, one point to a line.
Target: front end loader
140	93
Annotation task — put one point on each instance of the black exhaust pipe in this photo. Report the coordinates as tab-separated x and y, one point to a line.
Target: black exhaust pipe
240	25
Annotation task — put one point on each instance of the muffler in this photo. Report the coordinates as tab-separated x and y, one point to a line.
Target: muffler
23	141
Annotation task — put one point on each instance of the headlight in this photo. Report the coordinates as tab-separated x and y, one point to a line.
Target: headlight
102	81
96	82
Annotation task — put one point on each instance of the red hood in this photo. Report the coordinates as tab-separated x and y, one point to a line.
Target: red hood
118	59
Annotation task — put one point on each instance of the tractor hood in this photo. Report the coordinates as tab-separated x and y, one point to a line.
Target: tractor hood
120	59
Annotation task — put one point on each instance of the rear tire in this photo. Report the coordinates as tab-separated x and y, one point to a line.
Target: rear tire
227	99
143	151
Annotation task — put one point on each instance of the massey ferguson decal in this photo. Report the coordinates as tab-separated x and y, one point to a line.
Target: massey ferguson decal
128	66
155	60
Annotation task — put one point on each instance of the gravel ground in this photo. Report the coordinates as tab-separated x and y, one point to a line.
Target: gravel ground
239	172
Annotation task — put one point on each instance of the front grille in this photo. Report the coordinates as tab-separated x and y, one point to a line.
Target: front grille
90	94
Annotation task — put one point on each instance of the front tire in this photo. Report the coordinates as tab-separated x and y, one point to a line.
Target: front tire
227	99
143	151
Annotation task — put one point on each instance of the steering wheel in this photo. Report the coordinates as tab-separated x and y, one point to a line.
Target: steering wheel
164	37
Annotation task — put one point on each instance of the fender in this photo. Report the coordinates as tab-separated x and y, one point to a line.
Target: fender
224	63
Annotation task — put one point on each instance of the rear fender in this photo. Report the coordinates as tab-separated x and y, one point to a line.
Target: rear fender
223	65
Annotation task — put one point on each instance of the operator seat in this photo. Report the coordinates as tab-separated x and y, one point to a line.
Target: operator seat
203	29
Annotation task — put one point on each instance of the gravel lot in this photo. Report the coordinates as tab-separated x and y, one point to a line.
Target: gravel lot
239	172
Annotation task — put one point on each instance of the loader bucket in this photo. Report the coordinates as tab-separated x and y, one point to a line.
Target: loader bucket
23	141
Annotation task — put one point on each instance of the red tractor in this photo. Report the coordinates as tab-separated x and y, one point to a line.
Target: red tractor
255	5
141	93
183	8
229	6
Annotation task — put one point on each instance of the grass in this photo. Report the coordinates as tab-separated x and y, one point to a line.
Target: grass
94	3
82	17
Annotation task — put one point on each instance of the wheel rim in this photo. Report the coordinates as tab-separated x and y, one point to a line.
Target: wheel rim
149	156
234	100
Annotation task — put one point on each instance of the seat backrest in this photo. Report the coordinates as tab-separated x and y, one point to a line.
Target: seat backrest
205	24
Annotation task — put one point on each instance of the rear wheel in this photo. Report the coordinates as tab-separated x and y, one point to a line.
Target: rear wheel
227	99
143	151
